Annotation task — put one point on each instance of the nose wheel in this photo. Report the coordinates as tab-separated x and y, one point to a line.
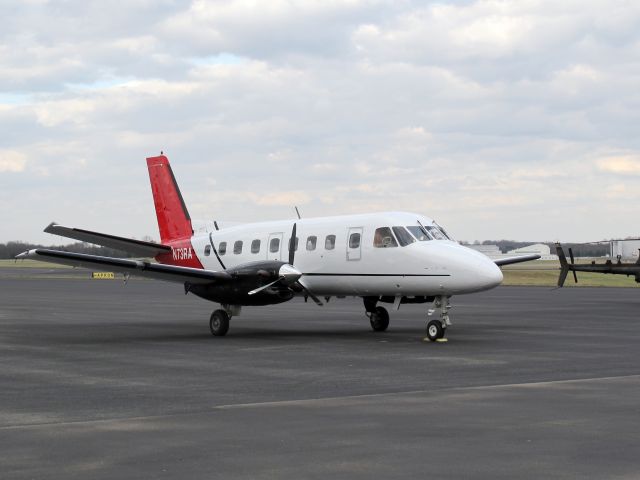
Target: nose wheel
436	328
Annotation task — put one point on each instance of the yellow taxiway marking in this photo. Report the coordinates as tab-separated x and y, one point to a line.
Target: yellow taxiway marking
103	275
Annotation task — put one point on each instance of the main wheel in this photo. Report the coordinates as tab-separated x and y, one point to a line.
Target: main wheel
435	330
379	319
219	323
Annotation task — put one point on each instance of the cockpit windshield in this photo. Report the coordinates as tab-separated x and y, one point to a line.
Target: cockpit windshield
435	232
420	233
444	232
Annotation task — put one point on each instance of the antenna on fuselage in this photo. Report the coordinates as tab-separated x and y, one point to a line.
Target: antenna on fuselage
215	224
298	213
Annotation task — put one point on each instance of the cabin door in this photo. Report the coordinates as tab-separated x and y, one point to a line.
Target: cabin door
354	244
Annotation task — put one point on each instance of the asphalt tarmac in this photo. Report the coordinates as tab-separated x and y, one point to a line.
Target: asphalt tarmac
104	380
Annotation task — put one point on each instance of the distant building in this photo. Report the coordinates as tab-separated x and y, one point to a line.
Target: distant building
538	248
626	249
492	251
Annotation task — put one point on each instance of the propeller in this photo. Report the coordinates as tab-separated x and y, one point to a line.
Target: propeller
573	262
288	274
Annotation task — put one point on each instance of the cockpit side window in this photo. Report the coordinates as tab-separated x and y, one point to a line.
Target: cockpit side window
420	233
383	238
404	238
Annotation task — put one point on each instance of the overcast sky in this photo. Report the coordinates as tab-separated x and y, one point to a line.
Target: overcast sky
516	120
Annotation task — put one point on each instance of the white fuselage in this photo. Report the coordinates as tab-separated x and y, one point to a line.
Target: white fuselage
428	267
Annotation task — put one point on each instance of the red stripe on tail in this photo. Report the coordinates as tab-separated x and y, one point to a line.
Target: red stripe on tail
174	221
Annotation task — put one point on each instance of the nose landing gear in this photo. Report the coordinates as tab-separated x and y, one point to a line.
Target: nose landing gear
436	329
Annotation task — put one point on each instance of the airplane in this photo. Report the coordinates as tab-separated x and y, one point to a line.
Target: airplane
390	257
617	268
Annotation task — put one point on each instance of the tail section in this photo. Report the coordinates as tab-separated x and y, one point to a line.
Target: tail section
564	265
174	221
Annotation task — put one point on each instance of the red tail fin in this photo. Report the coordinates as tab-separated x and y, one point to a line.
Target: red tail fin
174	221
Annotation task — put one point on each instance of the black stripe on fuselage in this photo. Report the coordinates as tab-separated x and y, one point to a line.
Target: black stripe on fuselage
215	251
376	275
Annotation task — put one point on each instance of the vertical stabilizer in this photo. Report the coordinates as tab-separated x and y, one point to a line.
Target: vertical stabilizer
174	221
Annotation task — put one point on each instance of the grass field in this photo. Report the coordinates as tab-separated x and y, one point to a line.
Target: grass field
545	273
538	273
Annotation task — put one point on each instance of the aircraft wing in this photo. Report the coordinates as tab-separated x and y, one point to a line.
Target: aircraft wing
137	268
135	247
521	258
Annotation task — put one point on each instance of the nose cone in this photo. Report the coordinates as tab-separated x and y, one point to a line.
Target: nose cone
470	271
491	275
483	272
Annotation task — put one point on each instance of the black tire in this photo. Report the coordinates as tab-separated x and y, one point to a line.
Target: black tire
379	319
435	330
219	323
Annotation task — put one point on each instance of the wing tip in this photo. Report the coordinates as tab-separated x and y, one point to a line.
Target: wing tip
28	254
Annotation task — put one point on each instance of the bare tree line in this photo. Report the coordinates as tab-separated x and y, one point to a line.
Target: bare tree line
11	249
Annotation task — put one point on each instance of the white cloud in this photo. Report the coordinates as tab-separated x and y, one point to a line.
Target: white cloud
467	111
623	165
12	161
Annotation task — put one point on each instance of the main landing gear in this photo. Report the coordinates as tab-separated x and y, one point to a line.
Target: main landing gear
219	321
378	316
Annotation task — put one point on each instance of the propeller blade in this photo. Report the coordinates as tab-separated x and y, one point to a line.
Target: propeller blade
575	277
264	287
311	295
292	245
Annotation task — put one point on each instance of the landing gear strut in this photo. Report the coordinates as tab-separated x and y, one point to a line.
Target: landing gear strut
436	329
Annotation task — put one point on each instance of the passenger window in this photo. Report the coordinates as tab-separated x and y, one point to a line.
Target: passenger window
404	238
419	233
207	250
296	244
255	246
354	240
274	245
222	248
383	238
330	242
237	247
311	242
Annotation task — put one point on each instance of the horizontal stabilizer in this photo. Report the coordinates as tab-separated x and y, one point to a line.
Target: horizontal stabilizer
509	260
134	247
137	268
